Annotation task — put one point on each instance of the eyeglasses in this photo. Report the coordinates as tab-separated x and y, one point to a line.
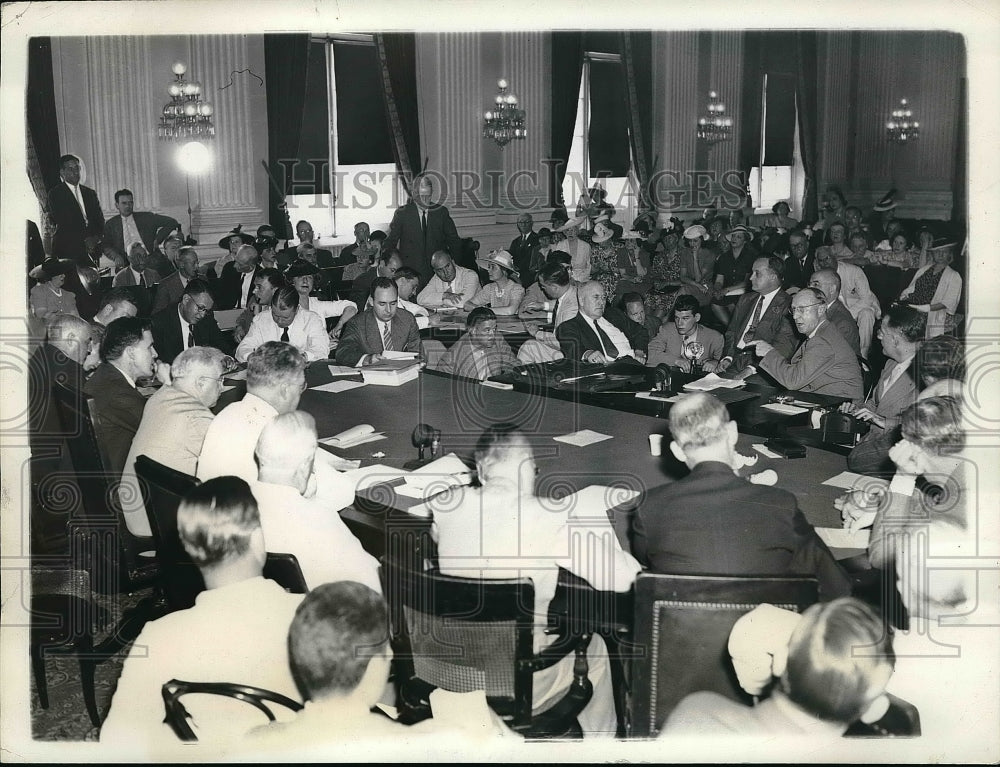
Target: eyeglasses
800	309
202	308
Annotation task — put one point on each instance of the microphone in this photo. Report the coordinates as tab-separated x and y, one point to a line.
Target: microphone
424	436
662	377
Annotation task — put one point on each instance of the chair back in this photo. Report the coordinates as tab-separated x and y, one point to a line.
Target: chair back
177	716
682	627
162	490
464	634
284	570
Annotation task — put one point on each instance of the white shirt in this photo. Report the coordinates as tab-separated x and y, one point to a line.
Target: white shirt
307	333
185	328
327	309
130	233
232	438
622	346
768	298
465	283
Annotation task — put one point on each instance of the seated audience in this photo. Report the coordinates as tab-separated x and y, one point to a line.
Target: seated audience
856	295
307	249
127	355
589	336
265	283
635	309
288	322
231	243
117	302
168	242
235	284
760	314
780	217
633	265
539	255
561	299
935	290
275	380
579	250
799	264
503	293
359	251
836	242
838	315
266	246
697	265
49	297
383	328
137	273
480	353
504	522
173	426
386	266
131	226
299	505
170	289
825	684
303	276
451	285
713	521
901	331
860	254
669	344
237	630
824	362
188	323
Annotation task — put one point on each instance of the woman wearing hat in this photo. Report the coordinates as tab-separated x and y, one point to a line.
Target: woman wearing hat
302	275
697	265
267	248
231	243
578	250
936	290
665	271
604	258
48	297
503	293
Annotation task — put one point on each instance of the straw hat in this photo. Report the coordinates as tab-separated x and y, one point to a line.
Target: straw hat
602	233
501	258
694	232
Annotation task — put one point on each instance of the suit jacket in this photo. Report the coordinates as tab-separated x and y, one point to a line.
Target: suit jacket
119	409
576	337
168	339
871	454
459	359
362	286
715	523
521	250
48	365
147	223
840	317
773	326
797	274
125	278
227	288
824	364
706	265
168	291
71	228
361	336
667	346
324	258
406	234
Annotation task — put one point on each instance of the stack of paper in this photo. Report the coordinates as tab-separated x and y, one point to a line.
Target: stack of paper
713	381
435	477
391	372
357	435
582	438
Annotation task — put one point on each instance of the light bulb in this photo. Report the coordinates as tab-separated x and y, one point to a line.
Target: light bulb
713	95
174	89
207	109
501	83
179	68
190	110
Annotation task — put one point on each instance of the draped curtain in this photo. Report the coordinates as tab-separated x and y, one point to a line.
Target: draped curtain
637	71
397	59
286	63
42	127
806	84
567	67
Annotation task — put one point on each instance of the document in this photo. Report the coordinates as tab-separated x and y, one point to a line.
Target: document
339	386
851	481
713	381
778	407
357	435
583	438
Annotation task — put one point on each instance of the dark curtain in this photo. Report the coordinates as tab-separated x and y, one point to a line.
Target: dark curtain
567	67
779	119
637	70
608	144
806	84
286	63
41	109
397	60
362	130
314	137
959	212
753	79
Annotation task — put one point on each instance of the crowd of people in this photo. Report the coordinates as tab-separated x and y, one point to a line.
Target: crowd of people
785	301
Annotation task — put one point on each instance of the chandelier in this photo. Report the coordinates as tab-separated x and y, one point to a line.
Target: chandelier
505	121
186	116
715	126
901	127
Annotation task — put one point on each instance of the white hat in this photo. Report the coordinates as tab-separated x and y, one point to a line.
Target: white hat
577	222
500	258
694	232
601	234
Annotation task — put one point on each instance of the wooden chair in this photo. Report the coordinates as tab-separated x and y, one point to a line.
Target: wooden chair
177	716
464	634
682	626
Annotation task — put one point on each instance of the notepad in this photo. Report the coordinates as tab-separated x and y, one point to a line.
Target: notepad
851	481
582	438
339	386
376	474
343	370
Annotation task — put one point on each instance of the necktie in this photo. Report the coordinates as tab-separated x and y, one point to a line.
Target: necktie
284	335
605	339
191	337
752	327
423	222
79	201
888	377
386	337
697	269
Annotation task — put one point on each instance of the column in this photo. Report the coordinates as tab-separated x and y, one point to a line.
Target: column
527	68
675	116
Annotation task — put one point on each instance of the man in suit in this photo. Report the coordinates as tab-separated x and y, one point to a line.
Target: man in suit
189	323
137	273
304	231
589	336
522	246
714	522
562	300
759	315
828	281
673	337
235	285
127	354
824	363
901	332
387	265
382	328
799	264
420	228
75	211
170	289
131	226
855	293
482	352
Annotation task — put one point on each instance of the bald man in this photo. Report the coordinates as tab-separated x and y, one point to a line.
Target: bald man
234	287
828	281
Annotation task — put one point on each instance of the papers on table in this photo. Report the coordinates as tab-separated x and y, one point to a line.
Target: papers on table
649	395
335	462
851	481
713	381
434	478
498	385
226	319
339	386
343	370
582	438
391	372
357	435
778	407
595	500
839	538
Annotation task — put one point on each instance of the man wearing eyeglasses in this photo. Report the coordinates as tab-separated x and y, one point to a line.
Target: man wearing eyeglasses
174	424
824	363
189	322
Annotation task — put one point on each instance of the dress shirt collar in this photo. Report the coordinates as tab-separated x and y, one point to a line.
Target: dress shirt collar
816	329
768	298
186	327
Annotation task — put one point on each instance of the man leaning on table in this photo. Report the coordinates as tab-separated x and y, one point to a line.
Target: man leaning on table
451	285
382	328
288	322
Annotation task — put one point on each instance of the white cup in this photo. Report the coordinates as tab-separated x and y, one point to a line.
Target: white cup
655	445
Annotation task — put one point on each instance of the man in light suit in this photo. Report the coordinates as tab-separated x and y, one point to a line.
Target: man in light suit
856	294
382	328
420	228
588	336
828	281
133	226
713	521
901	332
673	337
823	363
75	211
189	323
759	315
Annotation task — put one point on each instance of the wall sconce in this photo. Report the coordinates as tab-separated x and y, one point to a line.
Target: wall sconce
715	126
901	126
505	122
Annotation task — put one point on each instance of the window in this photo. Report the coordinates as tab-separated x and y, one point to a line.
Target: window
779	174
345	138
601	137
